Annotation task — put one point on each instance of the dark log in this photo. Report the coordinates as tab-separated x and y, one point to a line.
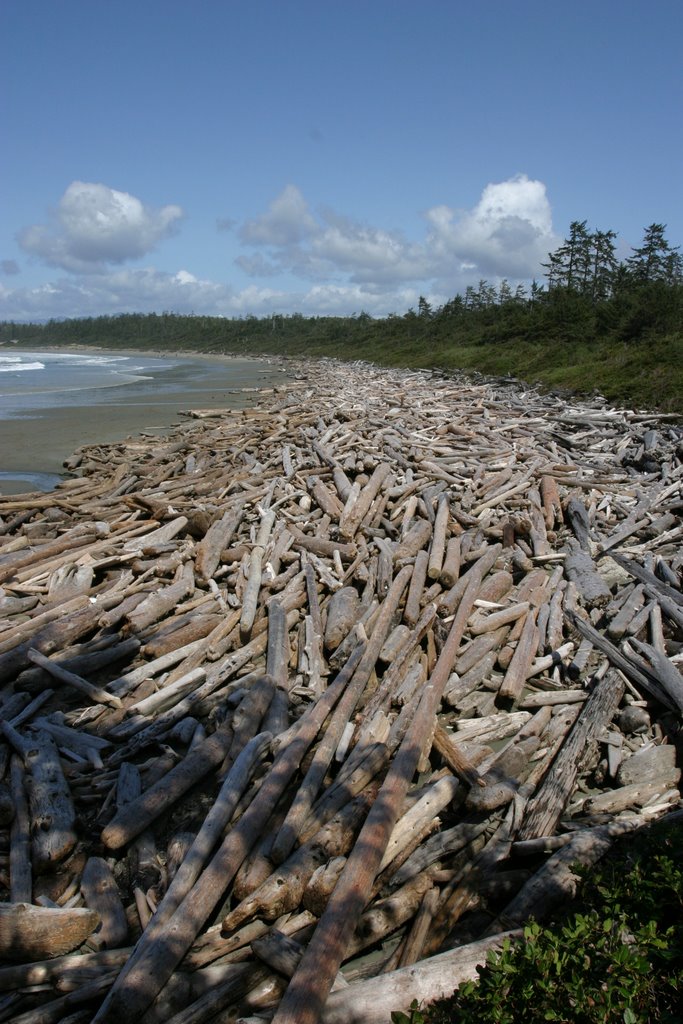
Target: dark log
101	894
20	837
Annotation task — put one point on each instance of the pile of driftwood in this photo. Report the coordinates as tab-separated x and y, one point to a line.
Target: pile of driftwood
306	707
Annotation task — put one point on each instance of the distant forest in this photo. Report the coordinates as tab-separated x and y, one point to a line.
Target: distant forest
590	306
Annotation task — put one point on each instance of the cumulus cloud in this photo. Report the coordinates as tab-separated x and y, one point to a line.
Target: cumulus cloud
95	225
506	234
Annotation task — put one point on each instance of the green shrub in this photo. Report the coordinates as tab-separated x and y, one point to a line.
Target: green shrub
617	957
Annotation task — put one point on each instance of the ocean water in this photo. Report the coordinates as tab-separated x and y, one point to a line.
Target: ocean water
41	380
52	402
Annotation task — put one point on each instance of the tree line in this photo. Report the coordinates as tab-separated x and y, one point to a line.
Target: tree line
588	295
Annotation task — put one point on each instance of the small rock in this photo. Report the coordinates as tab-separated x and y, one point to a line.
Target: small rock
633	720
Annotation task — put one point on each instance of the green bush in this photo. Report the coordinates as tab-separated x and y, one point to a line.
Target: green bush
617	957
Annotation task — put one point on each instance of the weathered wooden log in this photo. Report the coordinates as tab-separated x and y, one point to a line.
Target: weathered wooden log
415	539
165	697
53	818
667	675
522	660
216	538
426	809
251	592
465	839
492	622
454	757
94	693
47	972
647	682
101	894
351	520
34	933
556	881
450	570
411	612
20	873
552	505
544	810
635	794
372	1001
438	545
342	614
158	604
137	815
577	516
321	546
321	885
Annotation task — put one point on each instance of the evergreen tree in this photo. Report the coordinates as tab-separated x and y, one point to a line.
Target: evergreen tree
604	264
656	260
570	265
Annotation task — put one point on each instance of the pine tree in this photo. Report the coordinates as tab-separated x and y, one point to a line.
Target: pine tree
656	260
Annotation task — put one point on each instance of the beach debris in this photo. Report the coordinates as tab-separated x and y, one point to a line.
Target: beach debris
305	706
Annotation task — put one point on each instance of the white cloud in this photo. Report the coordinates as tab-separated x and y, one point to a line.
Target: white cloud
506	234
149	290
286	222
95	225
297	260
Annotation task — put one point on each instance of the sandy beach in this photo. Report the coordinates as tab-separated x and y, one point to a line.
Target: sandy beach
36	443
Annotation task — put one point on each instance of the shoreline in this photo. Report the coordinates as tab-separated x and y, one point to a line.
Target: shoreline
37	443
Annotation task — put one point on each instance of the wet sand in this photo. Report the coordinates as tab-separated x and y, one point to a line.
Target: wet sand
34	447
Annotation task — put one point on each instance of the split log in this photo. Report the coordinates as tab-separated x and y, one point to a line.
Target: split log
34	933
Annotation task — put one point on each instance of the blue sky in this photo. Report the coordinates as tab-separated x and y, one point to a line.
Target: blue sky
323	157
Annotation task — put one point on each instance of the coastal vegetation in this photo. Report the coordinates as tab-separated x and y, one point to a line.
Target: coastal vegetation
594	324
615	955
